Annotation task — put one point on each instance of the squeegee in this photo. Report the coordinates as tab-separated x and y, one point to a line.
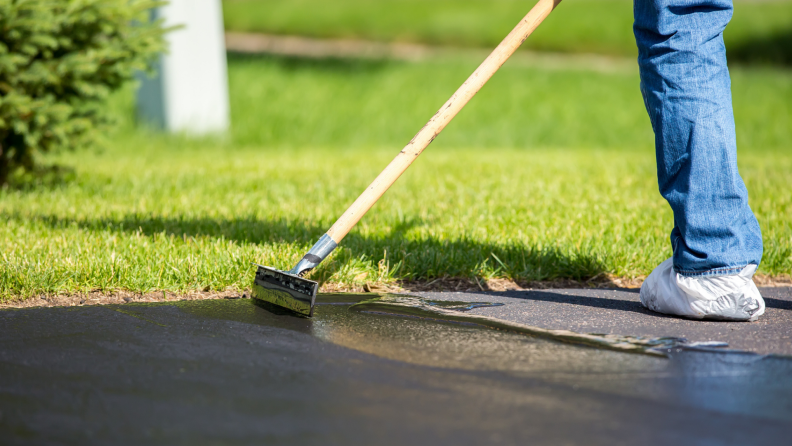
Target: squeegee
289	289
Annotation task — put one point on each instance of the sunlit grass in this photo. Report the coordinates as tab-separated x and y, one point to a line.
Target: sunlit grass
547	174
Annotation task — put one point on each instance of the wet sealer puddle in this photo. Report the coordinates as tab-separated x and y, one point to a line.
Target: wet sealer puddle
454	311
366	369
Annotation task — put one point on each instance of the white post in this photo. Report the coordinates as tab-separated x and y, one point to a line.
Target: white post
190	92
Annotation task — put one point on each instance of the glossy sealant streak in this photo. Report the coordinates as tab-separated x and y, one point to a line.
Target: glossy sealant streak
441	334
450	311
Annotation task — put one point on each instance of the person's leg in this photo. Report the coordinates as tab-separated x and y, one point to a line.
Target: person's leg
687	92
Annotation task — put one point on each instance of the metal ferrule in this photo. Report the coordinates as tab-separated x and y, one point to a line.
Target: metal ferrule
320	250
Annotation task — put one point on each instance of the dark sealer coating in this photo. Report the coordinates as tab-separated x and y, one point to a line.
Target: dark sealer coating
619	311
234	372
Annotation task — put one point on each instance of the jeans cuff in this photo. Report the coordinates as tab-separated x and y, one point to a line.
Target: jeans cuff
724	271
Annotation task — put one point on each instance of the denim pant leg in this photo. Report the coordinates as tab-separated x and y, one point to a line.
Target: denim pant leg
687	91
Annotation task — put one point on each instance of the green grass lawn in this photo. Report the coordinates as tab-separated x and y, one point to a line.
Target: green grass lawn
547	174
760	30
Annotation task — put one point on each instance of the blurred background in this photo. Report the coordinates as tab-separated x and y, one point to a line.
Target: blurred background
761	31
567	108
548	174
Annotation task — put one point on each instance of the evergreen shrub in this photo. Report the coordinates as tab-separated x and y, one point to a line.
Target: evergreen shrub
59	61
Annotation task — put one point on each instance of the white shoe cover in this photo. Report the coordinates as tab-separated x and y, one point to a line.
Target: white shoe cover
731	297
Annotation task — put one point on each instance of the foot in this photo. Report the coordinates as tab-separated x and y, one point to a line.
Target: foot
730	297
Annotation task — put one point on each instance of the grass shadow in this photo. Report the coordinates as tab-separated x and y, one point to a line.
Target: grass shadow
605	303
775	49
625	305
330	64
409	258
780	304
42	176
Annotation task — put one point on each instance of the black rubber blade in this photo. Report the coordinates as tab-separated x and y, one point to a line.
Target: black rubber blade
285	290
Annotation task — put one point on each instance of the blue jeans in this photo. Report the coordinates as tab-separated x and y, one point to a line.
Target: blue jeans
687	91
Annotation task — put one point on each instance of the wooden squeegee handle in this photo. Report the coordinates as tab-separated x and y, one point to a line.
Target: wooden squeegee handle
438	122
